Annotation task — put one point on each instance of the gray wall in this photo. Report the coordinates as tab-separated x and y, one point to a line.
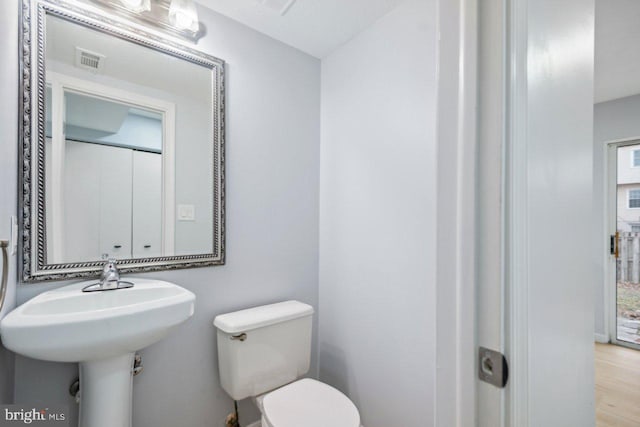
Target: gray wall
613	120
8	165
378	218
273	114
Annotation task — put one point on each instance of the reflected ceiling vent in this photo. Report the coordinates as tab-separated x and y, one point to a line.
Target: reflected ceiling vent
88	60
279	6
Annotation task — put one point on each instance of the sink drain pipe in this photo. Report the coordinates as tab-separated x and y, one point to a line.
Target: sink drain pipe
5	271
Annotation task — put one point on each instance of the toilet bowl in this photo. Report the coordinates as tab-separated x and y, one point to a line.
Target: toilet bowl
263	352
307	403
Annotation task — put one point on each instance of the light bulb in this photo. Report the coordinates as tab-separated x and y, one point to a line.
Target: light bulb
183	15
183	20
136	5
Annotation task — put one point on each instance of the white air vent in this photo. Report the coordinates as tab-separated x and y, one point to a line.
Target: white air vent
280	6
88	60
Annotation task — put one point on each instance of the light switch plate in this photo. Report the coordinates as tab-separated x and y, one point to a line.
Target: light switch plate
186	213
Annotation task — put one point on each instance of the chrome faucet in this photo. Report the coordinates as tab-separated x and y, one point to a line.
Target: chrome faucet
109	280
110	275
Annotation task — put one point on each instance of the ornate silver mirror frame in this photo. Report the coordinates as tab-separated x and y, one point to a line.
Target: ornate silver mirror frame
32	138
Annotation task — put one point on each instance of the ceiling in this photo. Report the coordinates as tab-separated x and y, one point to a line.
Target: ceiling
617	59
316	27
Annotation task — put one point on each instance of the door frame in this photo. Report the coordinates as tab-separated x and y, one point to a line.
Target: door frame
456	112
516	213
610	221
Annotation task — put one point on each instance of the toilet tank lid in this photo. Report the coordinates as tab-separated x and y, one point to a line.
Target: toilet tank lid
264	315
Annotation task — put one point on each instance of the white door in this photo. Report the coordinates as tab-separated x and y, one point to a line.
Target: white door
113	202
97	202
147	204
82	202
115	207
543	287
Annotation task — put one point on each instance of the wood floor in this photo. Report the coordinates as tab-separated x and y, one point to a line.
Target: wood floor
617	386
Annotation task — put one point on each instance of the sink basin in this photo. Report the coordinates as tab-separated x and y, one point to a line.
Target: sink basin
102	331
68	325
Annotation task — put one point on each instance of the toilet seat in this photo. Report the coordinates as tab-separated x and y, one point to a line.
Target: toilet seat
309	403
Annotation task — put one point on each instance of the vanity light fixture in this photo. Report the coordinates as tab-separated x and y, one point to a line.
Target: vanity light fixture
177	17
137	5
183	15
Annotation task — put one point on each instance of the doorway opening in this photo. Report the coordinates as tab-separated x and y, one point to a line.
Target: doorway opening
623	221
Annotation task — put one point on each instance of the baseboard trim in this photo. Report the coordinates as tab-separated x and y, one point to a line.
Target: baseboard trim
602	338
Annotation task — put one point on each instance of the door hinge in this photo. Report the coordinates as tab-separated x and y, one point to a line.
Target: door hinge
493	367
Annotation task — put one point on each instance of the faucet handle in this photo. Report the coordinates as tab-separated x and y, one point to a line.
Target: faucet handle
109	264
110	271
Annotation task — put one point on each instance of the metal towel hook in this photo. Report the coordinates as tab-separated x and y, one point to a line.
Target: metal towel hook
4	244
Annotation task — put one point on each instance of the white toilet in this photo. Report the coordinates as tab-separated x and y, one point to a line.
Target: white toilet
262	353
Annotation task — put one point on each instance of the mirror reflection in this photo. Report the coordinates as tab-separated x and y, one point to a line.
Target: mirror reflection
112	182
128	149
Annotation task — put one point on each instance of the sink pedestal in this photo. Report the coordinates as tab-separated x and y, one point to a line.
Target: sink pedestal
106	392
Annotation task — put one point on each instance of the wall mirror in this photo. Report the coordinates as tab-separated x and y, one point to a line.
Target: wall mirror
122	146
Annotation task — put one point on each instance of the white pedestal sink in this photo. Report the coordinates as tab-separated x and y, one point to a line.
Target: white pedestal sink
102	331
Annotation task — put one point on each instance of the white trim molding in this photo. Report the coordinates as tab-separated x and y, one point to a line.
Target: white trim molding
516	214
456	145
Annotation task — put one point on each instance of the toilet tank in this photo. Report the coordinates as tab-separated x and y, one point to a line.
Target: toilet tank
263	348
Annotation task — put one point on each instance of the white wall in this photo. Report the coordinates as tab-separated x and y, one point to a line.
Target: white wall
8	166
273	112
377	227
613	120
